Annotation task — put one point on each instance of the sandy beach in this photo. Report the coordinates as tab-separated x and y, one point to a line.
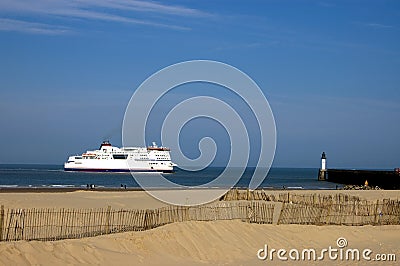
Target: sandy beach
140	199
189	243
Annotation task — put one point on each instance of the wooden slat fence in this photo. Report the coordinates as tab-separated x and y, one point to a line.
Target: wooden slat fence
351	213
260	194
317	209
56	224
242	194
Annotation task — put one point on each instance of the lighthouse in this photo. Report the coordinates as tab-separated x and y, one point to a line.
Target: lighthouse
322	170
323	162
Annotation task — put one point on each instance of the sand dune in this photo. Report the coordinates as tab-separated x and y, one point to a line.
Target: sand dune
200	243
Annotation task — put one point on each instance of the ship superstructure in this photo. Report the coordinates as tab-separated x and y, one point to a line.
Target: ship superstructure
127	159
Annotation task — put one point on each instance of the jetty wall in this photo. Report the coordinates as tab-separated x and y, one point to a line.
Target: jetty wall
382	179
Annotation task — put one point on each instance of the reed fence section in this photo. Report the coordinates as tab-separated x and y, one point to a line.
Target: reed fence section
317	209
287	197
352	213
56	224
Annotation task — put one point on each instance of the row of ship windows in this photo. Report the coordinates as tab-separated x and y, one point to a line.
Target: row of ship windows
115	156
119	156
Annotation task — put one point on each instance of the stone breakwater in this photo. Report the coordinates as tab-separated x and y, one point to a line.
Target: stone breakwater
356	187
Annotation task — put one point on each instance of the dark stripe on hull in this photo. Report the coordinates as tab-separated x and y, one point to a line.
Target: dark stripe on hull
116	170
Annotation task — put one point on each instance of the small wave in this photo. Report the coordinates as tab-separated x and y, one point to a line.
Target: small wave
8	186
31	169
61	186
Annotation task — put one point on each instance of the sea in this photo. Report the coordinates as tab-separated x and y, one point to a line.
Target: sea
53	176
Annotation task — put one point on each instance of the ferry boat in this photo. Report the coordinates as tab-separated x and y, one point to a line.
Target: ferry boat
128	159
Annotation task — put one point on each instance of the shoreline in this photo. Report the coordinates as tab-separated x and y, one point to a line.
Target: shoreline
62	189
117	189
130	189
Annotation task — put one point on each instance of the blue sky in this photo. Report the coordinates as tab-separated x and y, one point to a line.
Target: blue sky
330	70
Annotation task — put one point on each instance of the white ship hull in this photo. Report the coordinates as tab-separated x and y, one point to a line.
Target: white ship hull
114	159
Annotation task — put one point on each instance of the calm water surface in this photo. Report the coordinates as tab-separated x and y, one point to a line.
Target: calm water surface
54	176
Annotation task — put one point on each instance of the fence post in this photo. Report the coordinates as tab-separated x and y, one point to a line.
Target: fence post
327	220
1	222
280	214
376	212
108	220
